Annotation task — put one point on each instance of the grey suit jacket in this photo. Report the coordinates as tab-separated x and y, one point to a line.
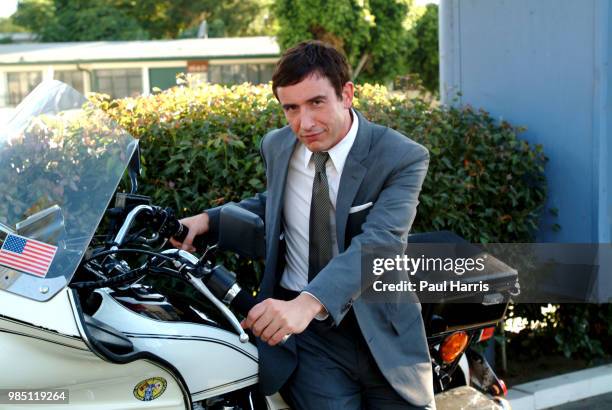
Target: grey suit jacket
388	169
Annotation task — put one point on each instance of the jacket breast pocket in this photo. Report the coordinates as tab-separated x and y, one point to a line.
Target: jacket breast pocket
354	223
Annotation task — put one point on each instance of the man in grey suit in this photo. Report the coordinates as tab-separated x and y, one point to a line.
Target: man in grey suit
336	184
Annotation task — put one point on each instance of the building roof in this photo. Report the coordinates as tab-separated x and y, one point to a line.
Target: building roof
153	50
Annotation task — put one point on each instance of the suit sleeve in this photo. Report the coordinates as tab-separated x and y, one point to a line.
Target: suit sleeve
387	225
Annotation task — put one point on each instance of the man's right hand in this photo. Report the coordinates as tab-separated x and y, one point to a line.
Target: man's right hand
198	225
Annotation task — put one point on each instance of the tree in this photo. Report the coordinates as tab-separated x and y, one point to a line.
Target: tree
34	14
168	18
76	20
424	60
7	25
235	19
89	20
371	33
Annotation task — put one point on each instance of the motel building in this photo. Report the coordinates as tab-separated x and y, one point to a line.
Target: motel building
131	68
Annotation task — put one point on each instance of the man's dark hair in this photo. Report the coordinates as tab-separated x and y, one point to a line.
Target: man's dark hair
311	57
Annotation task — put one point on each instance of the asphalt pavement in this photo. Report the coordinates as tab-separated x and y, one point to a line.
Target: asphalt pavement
602	402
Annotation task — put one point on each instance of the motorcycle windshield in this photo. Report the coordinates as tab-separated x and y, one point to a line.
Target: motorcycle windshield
61	160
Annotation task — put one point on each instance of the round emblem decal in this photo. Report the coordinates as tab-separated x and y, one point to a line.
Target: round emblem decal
150	389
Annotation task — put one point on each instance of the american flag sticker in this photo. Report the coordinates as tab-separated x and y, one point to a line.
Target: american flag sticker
27	255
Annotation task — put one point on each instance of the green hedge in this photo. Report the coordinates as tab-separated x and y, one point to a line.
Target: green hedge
200	148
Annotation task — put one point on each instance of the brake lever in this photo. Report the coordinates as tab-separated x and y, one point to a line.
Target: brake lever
196	281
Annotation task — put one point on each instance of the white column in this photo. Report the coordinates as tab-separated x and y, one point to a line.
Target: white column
146	84
3	89
48	73
86	81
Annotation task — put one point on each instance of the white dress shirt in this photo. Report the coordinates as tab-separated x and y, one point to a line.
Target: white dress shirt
296	207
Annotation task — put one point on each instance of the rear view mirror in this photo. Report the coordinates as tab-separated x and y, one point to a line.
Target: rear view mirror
241	231
134	169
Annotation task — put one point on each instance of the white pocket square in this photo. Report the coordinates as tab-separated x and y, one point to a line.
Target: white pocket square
360	207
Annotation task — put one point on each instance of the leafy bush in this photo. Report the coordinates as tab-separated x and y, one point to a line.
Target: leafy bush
200	148
199	144
483	182
583	330
575	330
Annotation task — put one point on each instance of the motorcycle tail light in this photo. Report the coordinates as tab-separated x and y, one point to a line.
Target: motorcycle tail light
486	333
453	346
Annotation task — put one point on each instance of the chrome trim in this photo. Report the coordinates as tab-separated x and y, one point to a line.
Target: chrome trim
127	224
231	294
6	229
492	299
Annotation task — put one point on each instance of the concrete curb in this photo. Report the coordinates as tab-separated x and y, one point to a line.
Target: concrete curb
565	388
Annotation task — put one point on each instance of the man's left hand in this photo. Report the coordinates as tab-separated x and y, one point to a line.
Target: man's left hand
273	319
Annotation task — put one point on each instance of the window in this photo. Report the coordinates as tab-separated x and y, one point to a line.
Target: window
20	84
73	78
264	73
227	73
118	83
239	73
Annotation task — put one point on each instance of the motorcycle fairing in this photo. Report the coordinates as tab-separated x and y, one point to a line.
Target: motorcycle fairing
61	160
183	343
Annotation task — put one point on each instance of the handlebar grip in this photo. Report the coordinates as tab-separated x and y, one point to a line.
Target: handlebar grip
172	227
199	242
243	302
181	232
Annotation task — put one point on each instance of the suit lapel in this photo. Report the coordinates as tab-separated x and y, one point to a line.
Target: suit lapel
352	176
276	195
281	162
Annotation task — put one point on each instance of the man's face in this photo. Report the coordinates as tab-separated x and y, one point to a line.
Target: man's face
315	113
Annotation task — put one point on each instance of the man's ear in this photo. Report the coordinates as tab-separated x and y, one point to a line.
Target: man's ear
348	92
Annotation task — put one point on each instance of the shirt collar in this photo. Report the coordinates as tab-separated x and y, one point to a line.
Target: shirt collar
340	151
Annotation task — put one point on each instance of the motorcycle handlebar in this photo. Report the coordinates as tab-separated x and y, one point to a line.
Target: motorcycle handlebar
175	229
221	281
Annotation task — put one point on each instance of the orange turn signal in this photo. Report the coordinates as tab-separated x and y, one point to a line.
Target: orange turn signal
453	346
